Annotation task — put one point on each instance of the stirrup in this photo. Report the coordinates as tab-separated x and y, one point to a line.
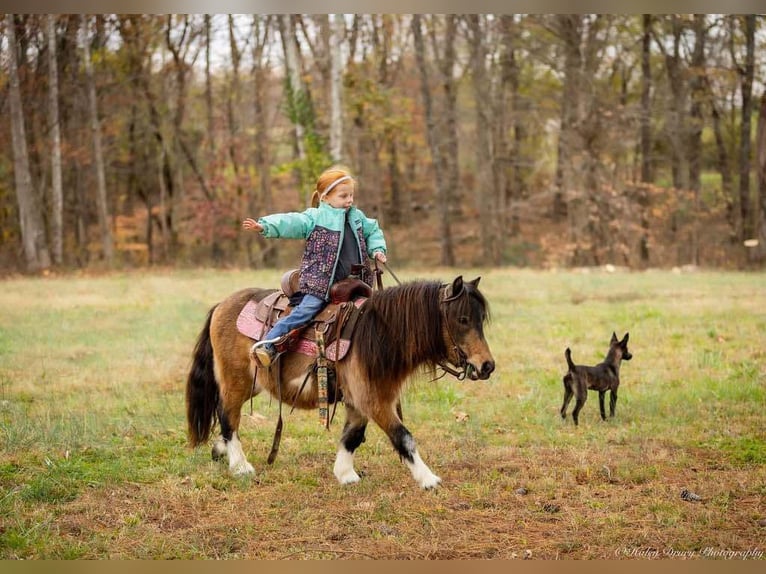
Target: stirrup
264	358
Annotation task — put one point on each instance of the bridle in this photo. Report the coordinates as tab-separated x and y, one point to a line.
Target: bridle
462	365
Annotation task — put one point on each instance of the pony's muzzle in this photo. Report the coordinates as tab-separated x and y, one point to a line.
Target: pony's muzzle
482	373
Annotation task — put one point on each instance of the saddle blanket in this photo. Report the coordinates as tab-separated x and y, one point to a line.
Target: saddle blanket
251	326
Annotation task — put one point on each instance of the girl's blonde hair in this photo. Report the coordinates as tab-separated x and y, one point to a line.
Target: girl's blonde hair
327	178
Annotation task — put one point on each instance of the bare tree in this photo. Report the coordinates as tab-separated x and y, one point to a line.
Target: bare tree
36	253
485	194
57	194
569	27
760	155
696	123
746	73
233	105
336	87
440	158
262	31
98	156
295	89
677	100
646	102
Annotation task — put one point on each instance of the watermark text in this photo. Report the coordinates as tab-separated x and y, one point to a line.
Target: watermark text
647	552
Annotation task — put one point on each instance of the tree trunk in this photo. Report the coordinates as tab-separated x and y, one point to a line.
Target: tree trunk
569	200
485	195
36	255
516	186
57	194
646	103
294	82
724	167
262	200
442	190
449	160
570	29
336	87
746	88
760	151
676	121
696	123
507	179
98	157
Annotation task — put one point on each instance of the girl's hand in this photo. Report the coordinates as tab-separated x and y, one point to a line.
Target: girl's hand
251	223
380	256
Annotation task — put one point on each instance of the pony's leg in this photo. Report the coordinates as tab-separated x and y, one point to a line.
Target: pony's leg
220	450
352	437
238	464
404	443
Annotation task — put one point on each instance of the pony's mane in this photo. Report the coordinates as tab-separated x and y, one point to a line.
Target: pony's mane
400	330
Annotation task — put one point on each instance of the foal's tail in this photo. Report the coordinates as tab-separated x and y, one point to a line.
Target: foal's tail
201	389
568	355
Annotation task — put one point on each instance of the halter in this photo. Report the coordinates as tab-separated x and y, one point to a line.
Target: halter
462	366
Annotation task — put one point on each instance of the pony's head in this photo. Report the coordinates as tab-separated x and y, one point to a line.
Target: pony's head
465	313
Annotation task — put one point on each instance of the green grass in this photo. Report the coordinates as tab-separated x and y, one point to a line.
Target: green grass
94	462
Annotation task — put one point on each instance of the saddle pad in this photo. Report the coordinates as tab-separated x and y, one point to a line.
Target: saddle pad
251	326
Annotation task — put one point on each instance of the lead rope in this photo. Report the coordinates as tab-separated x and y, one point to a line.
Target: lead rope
379	272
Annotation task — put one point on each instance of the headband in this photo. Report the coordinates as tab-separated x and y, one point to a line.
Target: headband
332	185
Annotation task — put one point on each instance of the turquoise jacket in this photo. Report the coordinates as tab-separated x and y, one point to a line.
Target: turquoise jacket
323	227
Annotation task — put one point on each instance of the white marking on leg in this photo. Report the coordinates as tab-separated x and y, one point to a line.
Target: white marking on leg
421	473
344	467
238	464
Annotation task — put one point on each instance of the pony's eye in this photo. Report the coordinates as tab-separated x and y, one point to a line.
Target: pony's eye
463	320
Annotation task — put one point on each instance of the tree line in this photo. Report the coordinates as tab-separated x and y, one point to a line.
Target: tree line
483	139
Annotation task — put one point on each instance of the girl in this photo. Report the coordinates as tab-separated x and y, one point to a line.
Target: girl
337	234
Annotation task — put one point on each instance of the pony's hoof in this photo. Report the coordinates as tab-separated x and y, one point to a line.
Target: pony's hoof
243	469
348	477
430	482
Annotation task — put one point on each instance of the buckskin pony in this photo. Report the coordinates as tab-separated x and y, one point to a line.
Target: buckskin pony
401	329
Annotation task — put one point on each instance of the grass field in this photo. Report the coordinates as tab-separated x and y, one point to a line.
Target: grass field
94	462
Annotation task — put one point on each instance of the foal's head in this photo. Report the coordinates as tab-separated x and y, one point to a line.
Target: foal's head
465	313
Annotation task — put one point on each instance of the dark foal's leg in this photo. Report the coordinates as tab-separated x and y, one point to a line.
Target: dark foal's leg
612	402
601	395
352	437
568	394
581	398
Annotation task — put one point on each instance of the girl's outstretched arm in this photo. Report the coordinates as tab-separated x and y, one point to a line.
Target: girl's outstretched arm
250	223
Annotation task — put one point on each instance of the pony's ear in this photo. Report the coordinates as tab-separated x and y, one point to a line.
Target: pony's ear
625	339
614	337
454	289
475	282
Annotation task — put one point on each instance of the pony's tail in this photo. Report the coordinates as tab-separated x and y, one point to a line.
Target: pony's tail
201	389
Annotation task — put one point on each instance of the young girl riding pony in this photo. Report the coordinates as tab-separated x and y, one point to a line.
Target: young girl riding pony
338	237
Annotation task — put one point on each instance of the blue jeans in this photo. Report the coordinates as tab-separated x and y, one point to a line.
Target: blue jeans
300	316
